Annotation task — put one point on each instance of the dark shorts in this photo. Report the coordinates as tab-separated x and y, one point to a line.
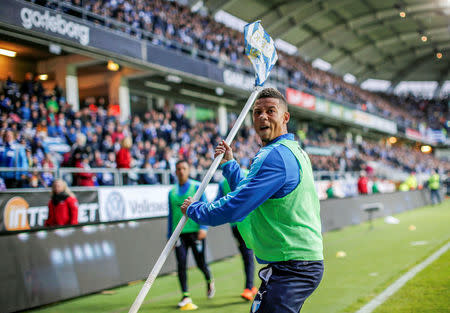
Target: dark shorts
286	285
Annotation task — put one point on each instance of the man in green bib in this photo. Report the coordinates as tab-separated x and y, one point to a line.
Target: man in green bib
277	208
247	255
192	236
434	184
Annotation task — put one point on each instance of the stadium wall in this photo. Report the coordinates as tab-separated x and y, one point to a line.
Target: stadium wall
43	266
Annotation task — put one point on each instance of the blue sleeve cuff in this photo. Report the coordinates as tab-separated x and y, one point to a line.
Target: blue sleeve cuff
226	163
195	213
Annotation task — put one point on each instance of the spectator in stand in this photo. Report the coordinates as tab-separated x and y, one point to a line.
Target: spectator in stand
363	184
12	154
63	206
85	179
149	177
27	85
118	135
123	157
47	176
107	178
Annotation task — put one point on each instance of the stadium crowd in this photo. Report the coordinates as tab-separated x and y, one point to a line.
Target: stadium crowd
32	118
172	24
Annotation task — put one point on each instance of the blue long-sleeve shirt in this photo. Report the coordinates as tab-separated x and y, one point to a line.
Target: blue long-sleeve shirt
274	173
13	155
182	189
234	181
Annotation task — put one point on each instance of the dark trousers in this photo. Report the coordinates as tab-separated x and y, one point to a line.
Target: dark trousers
186	241
11	183
247	257
435	196
286	285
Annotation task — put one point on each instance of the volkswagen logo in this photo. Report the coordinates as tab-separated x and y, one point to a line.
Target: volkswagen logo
115	207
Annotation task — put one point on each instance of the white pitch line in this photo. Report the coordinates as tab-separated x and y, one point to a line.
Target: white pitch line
389	291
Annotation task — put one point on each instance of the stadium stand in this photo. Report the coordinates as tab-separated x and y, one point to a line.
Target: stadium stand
40	117
171	24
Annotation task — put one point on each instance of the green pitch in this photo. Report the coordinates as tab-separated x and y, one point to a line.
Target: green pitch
374	259
428	292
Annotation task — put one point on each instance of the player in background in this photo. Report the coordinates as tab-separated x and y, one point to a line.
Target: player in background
193	235
247	255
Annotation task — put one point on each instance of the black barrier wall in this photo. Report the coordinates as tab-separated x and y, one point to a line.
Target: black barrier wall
48	266
41	267
338	213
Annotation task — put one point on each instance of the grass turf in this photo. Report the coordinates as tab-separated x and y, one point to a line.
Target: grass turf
427	292
375	258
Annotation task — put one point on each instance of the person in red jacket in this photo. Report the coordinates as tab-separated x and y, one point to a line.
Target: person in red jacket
362	184
123	157
63	206
85	179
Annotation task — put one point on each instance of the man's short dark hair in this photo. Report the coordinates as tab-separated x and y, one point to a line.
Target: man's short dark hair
273	93
181	161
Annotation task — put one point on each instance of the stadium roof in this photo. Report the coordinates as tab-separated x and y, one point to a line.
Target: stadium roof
381	39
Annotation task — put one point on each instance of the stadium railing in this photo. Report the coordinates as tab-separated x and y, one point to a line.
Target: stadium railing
161	176
66	173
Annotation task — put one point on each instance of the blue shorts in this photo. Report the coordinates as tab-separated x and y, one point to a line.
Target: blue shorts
286	285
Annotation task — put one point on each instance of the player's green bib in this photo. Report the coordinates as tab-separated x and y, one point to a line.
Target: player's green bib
176	200
287	228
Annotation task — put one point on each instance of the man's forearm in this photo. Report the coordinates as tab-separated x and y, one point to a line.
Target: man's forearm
232	173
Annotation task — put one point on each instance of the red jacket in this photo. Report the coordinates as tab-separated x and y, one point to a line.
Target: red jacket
63	213
123	158
362	185
85	179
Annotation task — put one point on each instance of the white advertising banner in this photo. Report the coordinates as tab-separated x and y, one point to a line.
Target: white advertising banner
137	202
372	121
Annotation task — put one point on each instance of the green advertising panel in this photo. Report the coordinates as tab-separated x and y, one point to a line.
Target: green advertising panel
322	105
336	110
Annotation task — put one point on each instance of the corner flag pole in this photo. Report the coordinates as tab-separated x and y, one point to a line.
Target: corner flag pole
261	51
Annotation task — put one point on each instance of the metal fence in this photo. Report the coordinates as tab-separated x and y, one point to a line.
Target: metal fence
134	176
116	177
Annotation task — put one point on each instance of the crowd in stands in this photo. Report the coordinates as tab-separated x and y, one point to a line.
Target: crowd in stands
355	154
32	117
169	22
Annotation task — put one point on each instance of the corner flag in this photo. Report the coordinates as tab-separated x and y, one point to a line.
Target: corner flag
260	49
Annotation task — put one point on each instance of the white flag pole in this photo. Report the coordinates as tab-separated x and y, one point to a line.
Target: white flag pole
171	243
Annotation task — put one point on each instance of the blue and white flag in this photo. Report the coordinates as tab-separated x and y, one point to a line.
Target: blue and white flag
260	49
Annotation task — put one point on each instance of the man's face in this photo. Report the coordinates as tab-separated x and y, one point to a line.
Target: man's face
9	136
269	119
182	172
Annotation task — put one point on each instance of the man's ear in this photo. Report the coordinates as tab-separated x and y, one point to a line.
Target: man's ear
286	117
